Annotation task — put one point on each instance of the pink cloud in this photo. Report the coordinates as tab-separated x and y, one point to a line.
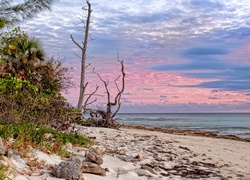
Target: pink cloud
147	87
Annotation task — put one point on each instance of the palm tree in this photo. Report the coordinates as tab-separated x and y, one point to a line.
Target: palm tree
29	56
21	56
14	14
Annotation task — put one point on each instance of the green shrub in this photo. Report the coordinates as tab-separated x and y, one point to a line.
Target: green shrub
31	85
21	101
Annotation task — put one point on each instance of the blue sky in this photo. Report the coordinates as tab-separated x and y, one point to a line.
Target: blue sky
180	55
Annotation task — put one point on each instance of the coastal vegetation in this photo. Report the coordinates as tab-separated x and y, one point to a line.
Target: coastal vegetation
31	84
33	112
25	136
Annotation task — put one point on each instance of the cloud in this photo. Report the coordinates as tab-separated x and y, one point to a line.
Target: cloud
186	107
215	91
211	63
148	89
163	97
213	98
127	93
204	52
228	85
176	97
150	17
127	101
206	6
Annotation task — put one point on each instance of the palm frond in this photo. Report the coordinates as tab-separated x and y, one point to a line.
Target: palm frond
14	14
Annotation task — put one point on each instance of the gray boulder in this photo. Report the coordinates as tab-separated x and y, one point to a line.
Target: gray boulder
69	170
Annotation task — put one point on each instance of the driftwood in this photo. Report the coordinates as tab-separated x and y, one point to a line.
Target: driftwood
105	118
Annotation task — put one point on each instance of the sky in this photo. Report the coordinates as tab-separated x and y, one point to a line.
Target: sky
179	55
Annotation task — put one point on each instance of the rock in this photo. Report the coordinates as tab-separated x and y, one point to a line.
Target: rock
99	151
69	170
157	157
139	157
89	167
143	172
118	135
9	153
96	150
149	169
127	158
2	147
91	156
99	160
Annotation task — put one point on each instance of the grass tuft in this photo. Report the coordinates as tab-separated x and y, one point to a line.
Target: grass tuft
3	169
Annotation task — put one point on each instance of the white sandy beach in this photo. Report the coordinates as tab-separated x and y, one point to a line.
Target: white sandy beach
132	154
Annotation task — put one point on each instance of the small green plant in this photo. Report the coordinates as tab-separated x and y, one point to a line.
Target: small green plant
3	170
115	151
35	164
27	135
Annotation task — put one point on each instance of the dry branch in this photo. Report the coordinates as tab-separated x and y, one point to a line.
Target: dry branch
108	115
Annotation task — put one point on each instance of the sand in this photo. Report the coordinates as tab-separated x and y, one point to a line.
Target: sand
132	154
231	158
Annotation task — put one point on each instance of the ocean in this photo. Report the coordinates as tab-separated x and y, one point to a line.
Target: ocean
222	123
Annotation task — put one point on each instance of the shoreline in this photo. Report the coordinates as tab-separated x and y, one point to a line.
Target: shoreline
188	132
221	124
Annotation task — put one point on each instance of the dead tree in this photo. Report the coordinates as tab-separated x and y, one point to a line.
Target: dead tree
83	48
105	118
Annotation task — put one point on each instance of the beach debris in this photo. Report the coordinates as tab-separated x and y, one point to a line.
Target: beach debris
185	148
149	168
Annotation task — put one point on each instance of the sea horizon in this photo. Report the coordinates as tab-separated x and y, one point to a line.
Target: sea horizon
184	113
221	123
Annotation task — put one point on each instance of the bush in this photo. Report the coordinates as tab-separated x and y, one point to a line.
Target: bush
31	85
21	101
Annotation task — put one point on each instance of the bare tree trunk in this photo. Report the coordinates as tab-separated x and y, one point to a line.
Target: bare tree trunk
83	49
